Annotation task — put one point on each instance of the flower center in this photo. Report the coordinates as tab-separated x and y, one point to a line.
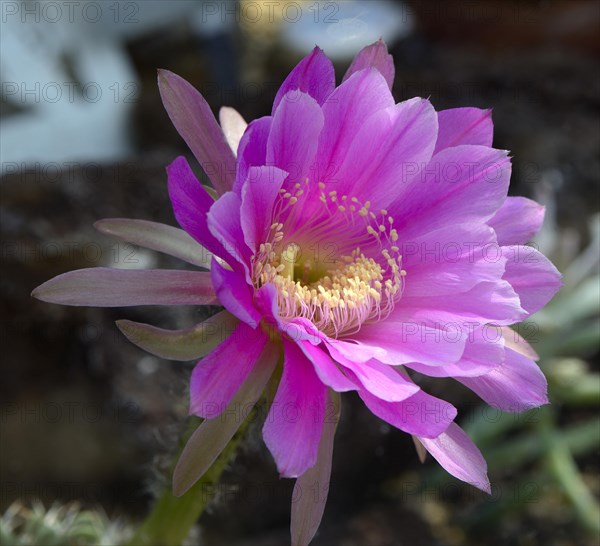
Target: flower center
336	288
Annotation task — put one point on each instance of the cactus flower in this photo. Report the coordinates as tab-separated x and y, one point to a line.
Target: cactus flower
351	241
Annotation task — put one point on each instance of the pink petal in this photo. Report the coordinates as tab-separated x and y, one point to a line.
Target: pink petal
488	302
258	197
265	299
235	294
464	126
406	340
532	276
379	379
105	287
377	56
483	353
219	375
191	203
463	184
213	435
517	385
352	349
422	414
192	117
517	221
233	126
298	329
456	453
345	111
294	135
391	138
450	261
313	75
326	368
160	237
308	503
188	344
292	430
252	150
223	221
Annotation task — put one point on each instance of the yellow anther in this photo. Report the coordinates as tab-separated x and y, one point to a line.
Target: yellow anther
337	297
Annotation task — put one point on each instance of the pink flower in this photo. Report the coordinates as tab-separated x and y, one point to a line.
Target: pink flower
356	240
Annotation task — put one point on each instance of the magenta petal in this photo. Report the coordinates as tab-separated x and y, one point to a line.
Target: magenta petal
517	221
313	75
354	350
483	353
295	421
265	299
532	276
450	260
294	135
258	197
459	456
326	368
223	221
235	294
192	117
213	435
488	302
377	56
464	126
252	150
379	379
463	184
308	504
218	376
407	340
422	414
389	141
105	287
345	111
517	385
191	204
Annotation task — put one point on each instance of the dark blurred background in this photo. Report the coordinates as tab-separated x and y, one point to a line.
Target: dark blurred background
89	423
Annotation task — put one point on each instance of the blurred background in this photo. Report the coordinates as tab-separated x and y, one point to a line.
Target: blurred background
89	423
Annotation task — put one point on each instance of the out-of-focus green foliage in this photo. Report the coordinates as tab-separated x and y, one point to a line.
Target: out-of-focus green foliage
59	525
533	457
